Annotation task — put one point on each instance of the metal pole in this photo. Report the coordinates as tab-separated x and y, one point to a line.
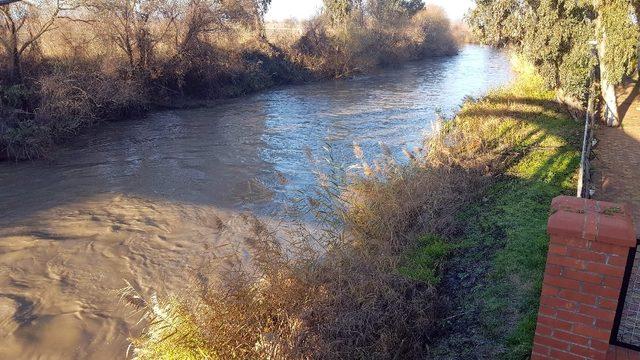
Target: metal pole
583	191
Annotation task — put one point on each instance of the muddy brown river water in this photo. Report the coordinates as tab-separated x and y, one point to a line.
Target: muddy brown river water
145	200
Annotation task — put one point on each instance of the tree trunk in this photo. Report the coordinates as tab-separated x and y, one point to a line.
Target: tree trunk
638	59
636	9
15	64
609	103
608	91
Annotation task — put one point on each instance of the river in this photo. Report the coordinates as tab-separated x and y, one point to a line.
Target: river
143	200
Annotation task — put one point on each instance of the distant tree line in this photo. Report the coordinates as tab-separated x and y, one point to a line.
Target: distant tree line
558	36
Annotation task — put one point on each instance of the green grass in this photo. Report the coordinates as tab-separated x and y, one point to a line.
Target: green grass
493	281
424	264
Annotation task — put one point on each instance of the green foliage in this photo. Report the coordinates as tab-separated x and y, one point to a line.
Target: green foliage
387	10
498	22
339	10
554	35
621	38
424	264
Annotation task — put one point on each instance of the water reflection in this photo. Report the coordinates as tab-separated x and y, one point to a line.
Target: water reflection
396	107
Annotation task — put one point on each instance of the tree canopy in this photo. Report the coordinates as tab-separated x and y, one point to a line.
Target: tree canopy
555	36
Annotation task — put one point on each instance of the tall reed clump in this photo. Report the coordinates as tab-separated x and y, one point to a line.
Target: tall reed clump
362	282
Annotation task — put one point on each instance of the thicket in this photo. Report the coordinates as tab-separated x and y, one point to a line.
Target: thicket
67	64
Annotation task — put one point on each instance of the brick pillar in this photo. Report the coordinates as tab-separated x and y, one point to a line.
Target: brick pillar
588	250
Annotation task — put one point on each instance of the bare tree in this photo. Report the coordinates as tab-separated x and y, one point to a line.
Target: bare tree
136	27
21	25
200	17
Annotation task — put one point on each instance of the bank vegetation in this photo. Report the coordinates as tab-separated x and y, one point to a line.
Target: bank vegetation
67	64
454	231
439	257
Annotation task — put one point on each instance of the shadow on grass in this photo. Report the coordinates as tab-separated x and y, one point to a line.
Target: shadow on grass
492	286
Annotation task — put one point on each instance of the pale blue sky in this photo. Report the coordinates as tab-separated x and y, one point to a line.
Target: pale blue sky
304	9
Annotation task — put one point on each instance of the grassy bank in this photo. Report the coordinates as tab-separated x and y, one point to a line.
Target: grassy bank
63	68
492	281
441	257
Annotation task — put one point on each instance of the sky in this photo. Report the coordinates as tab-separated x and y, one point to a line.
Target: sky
304	9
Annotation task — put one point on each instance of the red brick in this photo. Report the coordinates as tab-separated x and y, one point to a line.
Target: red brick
605	269
578	296
571	337
568	241
549	290
537	356
613	281
554	302
561	282
586	255
600	290
596	312
543	330
547	310
616	260
566	223
551	342
565	261
569	203
617	230
552	269
609	249
600	345
604	324
590	231
575	318
586	352
583	276
592	331
557	354
540	349
608	304
554	323
558	249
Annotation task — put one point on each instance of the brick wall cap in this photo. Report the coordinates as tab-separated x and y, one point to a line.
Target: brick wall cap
592	220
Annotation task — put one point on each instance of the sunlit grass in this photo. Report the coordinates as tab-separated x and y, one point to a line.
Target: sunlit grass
496	278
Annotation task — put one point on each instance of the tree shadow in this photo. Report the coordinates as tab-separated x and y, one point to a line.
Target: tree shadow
628	94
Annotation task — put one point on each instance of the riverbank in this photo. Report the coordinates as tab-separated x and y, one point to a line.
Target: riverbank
491	282
440	257
74	81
